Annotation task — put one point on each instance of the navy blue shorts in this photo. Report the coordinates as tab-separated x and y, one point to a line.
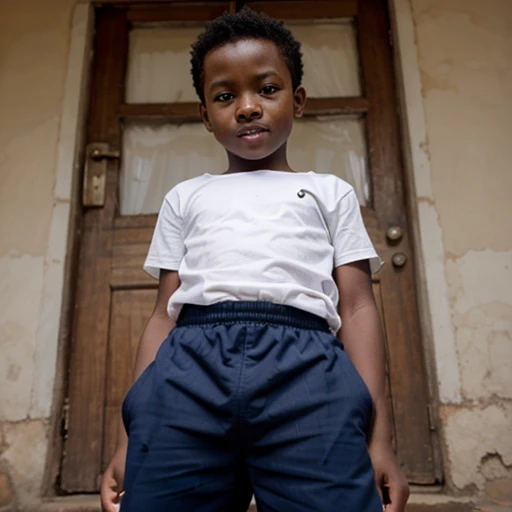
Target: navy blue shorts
244	398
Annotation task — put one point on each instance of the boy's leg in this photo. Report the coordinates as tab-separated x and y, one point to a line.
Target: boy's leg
308	423
183	449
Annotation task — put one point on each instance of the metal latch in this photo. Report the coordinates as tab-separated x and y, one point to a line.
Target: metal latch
95	172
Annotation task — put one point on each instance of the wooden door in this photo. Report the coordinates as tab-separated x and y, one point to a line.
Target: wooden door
114	297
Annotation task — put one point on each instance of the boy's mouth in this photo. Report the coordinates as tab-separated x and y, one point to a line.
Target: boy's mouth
251	132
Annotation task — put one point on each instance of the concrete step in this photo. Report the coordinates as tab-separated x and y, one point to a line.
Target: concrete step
417	503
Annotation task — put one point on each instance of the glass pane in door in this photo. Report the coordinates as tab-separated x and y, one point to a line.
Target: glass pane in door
330	56
159	60
156	157
159	64
333	145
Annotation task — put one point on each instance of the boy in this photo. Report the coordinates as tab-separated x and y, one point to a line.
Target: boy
251	391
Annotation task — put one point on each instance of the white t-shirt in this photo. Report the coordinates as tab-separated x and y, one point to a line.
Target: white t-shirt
259	236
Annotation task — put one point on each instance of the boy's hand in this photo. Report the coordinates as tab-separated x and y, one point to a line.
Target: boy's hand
389	478
112	482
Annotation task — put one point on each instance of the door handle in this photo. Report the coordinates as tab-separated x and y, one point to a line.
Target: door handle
394	234
399	259
95	172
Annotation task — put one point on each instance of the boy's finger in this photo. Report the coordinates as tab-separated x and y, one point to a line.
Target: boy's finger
384	494
398	498
110	503
109	497
378	484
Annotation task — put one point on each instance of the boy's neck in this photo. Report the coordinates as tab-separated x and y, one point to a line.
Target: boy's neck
236	164
256	168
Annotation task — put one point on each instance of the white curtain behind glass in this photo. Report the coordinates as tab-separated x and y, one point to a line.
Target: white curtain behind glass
331	63
159	65
156	158
334	145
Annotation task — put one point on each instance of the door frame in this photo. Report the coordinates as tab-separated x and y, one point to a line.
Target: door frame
438	340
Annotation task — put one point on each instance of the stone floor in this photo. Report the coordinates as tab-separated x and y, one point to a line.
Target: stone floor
417	503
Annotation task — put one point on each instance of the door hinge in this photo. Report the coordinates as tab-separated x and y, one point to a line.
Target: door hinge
390	37
65	419
431	422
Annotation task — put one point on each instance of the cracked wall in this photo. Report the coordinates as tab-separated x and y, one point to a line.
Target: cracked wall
464	49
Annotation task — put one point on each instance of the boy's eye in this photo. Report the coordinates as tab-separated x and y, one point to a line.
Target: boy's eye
268	89
225	96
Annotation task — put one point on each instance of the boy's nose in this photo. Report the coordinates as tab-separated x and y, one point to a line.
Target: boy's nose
248	109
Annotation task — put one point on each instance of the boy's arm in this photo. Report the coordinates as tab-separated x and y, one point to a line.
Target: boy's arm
159	324
361	334
157	329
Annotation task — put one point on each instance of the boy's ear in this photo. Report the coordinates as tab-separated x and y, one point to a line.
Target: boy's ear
299	101
204	117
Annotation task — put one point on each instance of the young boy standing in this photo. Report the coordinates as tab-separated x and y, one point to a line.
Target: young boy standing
251	392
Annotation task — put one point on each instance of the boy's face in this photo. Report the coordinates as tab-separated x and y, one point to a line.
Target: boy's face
250	103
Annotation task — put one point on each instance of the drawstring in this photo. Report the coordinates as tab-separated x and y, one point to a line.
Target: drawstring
302	194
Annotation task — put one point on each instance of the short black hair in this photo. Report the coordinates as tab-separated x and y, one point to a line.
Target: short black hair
245	24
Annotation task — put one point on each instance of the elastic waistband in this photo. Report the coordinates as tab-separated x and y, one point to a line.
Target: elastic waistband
252	313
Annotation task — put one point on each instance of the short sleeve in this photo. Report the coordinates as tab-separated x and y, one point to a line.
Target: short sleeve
167	248
349	236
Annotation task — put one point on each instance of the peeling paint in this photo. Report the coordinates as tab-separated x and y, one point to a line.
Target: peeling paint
47	335
439	79
487	278
424	147
26	460
478	434
480	285
13	372
466	79
469	10
483	330
493	467
426	200
20	292
445	350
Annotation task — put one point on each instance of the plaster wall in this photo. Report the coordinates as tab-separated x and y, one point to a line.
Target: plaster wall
34	46
464	49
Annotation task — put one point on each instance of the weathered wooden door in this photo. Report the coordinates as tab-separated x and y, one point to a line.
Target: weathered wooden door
350	128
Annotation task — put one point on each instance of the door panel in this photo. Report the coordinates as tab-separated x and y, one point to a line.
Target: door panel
129	312
130	243
350	128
